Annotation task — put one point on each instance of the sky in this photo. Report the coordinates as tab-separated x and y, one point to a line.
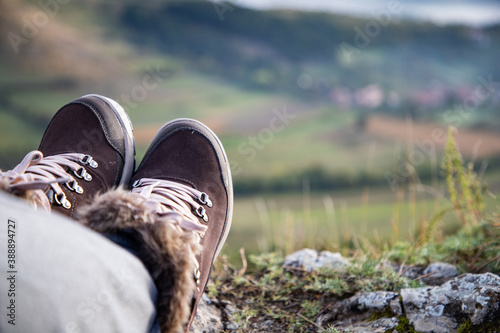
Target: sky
469	12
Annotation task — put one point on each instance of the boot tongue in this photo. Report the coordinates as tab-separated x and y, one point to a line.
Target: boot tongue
178	180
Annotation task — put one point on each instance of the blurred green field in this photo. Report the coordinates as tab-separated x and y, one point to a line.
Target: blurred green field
338	220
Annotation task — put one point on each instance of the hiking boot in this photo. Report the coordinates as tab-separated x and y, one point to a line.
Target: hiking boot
87	148
185	172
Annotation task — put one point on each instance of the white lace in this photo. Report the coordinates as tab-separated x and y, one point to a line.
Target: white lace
36	172
182	203
166	197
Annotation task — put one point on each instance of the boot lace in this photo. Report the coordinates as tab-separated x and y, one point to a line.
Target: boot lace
183	203
36	172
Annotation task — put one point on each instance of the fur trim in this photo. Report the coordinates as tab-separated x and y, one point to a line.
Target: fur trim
165	250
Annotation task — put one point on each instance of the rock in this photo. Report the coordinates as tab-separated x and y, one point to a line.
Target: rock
268	326
442	309
359	307
432	309
214	317
381	325
229	313
231	326
379	301
208	317
267	323
440	273
410	272
310	260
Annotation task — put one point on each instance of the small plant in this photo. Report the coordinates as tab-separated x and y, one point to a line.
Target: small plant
475	247
404	326
488	327
311	308
331	329
242	317
465	190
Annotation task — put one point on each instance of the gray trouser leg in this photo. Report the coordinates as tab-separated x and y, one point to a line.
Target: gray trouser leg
58	276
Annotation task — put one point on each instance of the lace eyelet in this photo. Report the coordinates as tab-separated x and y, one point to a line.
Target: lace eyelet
197	275
83	174
62	200
202	213
88	160
74	186
205	200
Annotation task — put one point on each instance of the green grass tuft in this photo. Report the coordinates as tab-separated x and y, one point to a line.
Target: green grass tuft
404	325
487	327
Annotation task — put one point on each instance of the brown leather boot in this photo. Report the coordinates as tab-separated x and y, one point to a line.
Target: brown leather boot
185	172
87	148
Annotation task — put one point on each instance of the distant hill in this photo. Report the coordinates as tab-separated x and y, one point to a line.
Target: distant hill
270	49
423	65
